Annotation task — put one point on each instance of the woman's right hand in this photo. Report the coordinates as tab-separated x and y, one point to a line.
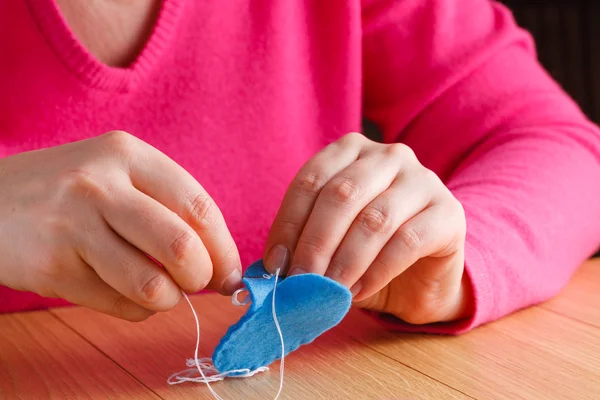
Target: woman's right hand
78	222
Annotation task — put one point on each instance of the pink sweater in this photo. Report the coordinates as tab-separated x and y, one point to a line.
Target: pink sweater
242	93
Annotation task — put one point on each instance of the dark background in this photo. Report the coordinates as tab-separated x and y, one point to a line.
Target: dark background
567	35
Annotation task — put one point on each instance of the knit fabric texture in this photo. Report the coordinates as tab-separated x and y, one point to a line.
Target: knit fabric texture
242	97
307	306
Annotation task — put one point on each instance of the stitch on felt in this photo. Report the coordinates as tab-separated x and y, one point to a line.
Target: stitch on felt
307	306
204	365
293	314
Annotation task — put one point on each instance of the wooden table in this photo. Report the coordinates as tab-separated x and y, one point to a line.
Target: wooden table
546	352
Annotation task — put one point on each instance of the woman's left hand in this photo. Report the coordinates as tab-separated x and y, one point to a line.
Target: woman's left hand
371	217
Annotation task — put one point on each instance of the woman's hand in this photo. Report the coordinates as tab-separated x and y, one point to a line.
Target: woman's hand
370	216
78	222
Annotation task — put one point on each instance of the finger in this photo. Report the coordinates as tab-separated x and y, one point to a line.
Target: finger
160	233
374	227
338	205
161	178
85	288
426	234
129	271
301	196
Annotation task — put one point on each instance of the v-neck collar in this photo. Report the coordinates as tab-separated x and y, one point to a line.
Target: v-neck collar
88	68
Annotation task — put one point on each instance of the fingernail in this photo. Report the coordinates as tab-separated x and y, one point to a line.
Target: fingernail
233	282
278	258
355	290
297	270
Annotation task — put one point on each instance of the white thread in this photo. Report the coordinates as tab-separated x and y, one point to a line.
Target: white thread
210	372
280	336
236	302
207	370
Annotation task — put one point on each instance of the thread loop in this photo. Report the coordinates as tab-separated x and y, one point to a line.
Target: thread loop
208	372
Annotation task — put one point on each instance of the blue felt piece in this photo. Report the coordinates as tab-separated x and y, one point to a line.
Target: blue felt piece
307	305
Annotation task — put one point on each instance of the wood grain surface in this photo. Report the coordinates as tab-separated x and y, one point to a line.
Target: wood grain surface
551	351
41	358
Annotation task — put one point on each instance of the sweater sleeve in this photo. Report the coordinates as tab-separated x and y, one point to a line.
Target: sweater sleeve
459	83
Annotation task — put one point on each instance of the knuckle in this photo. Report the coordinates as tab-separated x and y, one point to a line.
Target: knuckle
309	184
120	142
459	217
457	207
376	220
429	175
410	238
118	138
313	245
400	150
345	190
200	210
152	287
181	246
353	138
